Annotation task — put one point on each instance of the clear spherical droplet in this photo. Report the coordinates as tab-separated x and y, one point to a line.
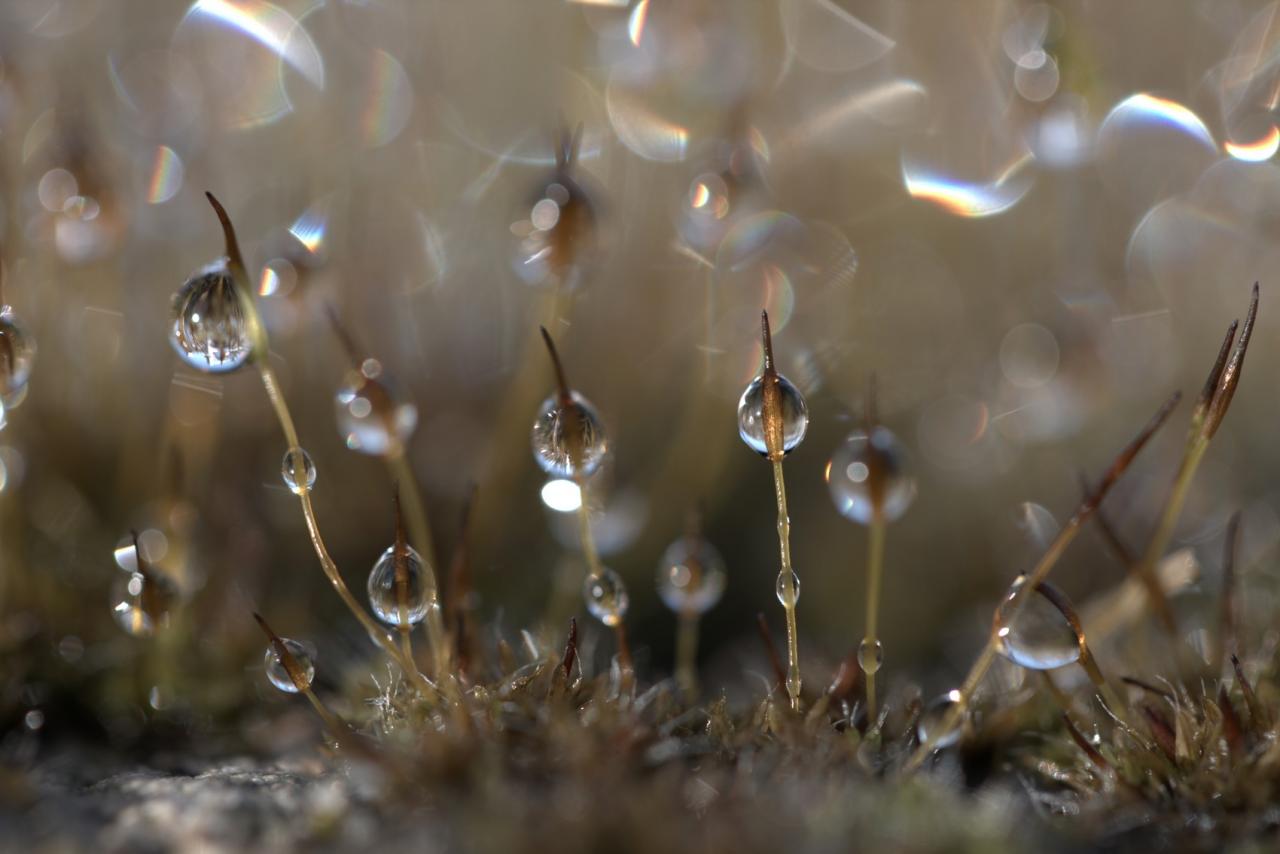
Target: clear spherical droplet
141	603
384	592
17	354
782	588
568	440
870	470
870	655
1039	636
933	719
296	459
279	674
795	416
370	418
210	331
691	576
606	597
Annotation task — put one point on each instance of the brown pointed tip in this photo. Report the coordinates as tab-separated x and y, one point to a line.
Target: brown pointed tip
266	629
1230	375
228	230
1219	364
766	337
570	648
401	540
566	395
345	338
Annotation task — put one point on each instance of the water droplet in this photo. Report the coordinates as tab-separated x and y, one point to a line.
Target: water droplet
934	716
370	417
384	596
17	353
1039	636
33	720
606	597
289	471
210	331
556	236
141	602
870	655
869	470
279	674
782	588
795	416
691	576
569	441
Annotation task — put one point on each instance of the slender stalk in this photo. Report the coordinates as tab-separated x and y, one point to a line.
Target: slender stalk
1108	694
594	568
869	658
330	568
788	587
687	652
1036	576
420	536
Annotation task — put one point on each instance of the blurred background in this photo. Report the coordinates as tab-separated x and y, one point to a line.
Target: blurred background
1032	222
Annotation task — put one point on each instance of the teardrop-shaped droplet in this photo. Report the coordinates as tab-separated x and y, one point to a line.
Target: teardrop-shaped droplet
795	416
606	597
568	439
1038	635
870	655
385	588
278	674
298	462
370	417
867	471
933	720
210	331
141	603
691	576
17	355
782	588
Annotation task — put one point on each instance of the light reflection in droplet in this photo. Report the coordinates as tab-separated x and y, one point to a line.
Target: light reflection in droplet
166	176
562	495
1257	151
641	129
270	26
970	199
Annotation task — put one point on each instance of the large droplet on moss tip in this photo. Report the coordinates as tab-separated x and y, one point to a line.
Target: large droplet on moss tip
1034	634
210	330
795	416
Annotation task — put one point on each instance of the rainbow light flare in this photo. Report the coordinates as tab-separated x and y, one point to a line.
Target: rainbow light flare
166	176
310	226
1143	106
390	101
970	200
1257	151
270	26
635	23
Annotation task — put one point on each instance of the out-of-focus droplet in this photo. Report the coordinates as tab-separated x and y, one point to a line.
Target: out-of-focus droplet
1035	635
556	236
166	176
780	588
210	331
691	576
562	495
1036	76
295	459
370	417
1150	148
1029	355
826	37
1256	149
930	726
795	416
969	198
870	471
17	356
236	50
606	597
279	675
141	602
568	440
384	587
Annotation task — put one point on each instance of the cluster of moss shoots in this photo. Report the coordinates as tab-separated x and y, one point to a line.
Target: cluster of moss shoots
1194	736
